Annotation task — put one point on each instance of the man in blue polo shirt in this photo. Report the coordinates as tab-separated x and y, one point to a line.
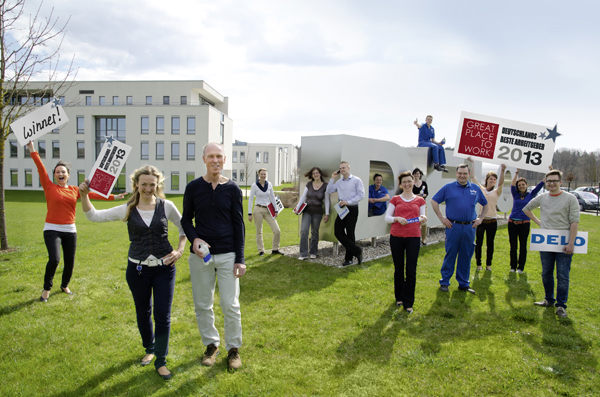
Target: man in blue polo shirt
378	197
461	220
427	139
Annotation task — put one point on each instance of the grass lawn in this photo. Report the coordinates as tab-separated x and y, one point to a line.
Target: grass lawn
308	329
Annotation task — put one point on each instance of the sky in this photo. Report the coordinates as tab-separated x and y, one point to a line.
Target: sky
304	68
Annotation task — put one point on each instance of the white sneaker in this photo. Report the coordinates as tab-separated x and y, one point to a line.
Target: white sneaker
301	258
519	271
512	270
313	257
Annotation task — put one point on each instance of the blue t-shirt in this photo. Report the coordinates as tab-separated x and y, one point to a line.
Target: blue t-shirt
460	200
520	203
381	207
426	134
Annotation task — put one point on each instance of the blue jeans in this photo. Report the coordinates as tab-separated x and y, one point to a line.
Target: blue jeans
437	151
160	282
312	222
459	249
563	268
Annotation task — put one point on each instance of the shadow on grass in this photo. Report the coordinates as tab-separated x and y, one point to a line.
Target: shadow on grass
5	310
482	286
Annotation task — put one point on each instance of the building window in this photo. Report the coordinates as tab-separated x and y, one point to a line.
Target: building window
55	149
234	175
166	100
242	157
190	176
145	125
55	131
191	125
80	125
175	125
80	176
121	182
191	151
80	149
174	150
14	149
101	101
174	180
26	154
14	177
241	176
148	100
28	178
160	125
62	100
183	100
235	157
258	157
42	149
107	126
265	157
160	150
145	150
129	100
115	100
222	130
88	101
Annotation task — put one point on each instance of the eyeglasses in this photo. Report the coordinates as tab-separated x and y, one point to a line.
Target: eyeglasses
553	181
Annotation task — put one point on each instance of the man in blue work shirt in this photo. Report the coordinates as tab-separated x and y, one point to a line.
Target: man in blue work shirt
378	197
461	220
350	191
427	139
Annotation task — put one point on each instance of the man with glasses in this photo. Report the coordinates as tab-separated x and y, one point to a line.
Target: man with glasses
461	220
559	210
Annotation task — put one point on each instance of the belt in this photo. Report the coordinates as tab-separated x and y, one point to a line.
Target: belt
460	223
518	222
490	220
148	262
261	206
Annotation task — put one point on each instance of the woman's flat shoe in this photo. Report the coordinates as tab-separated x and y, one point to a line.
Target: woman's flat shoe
165	377
399	304
409	310
42	299
66	292
146	362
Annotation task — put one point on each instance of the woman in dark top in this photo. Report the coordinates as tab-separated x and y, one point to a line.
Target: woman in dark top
420	189
314	195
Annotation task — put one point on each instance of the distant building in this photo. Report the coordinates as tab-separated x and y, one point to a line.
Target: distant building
279	159
165	122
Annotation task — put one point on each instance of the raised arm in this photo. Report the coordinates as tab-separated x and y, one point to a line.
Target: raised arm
501	179
417	123
514	180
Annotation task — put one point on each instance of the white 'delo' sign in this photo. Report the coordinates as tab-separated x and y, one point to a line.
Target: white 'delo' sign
557	240
39	122
108	166
501	141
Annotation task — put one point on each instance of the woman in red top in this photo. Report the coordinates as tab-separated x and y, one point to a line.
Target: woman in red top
406	213
59	229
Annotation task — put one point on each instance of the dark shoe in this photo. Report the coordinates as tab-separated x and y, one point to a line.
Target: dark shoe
143	363
423	243
561	312
233	359
276	252
443	167
467	289
399	304
210	355
543	303
347	263
360	257
409	310
444	288
68	293
42	299
165	377
436	166
261	253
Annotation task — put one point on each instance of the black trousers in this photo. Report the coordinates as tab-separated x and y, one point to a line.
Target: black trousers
404	287
490	230
518	235
54	240
344	232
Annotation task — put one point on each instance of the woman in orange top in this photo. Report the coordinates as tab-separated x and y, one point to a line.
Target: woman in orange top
59	229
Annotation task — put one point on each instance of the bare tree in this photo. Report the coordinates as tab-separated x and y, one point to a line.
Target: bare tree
590	164
248	163
29	46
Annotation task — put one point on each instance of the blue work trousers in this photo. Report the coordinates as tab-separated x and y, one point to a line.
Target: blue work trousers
563	268
460	245
437	151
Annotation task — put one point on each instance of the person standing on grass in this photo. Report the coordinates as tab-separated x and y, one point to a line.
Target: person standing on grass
263	190
59	229
489	226
151	264
350	191
461	220
213	215
559	210
314	196
378	196
518	222
420	189
406	213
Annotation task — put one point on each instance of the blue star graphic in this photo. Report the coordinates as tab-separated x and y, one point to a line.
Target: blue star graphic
552	134
55	102
109	140
543	135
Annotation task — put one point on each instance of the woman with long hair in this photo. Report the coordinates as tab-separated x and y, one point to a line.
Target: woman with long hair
421	189
59	229
314	195
406	213
263	190
151	264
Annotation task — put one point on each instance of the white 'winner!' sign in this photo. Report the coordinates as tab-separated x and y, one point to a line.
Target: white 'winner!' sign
39	122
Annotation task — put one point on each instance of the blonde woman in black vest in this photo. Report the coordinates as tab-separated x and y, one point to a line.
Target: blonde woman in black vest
151	265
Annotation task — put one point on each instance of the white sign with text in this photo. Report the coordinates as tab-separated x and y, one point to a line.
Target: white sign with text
39	122
108	166
557	240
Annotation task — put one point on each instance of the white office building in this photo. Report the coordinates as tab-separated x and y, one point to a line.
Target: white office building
279	159
165	122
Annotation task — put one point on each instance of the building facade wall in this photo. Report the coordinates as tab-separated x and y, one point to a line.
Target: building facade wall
282	160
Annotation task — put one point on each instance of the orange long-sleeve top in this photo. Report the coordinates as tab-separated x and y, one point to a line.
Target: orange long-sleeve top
61	202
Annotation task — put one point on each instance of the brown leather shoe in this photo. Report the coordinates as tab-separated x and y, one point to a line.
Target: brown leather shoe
233	359
210	355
